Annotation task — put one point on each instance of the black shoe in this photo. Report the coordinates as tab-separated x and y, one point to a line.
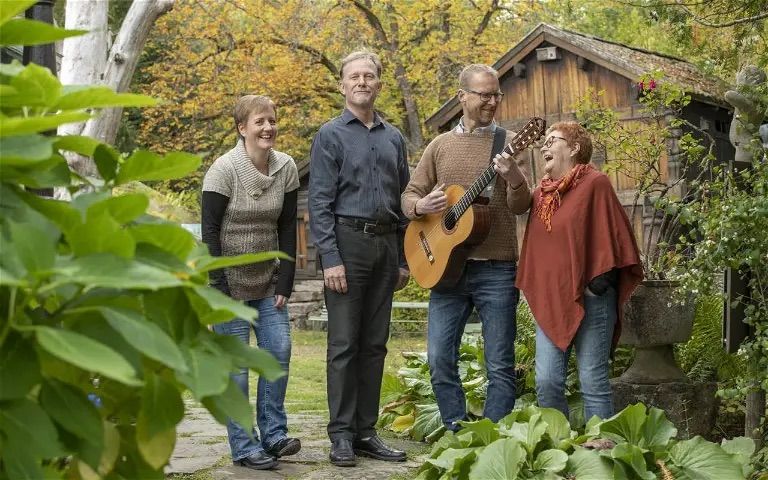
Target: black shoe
373	447
342	454
284	447
257	461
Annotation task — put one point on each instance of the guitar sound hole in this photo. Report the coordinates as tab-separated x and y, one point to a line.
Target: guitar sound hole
449	221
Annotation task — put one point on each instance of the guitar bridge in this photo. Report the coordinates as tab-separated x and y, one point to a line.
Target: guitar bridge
425	247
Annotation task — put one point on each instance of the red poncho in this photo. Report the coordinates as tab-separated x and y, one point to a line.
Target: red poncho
590	235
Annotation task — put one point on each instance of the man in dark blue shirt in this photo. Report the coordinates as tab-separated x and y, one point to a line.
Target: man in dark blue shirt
358	170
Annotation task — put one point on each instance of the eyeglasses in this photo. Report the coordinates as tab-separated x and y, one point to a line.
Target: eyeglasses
549	141
486	97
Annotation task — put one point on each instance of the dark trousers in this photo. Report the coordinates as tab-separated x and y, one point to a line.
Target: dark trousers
358	330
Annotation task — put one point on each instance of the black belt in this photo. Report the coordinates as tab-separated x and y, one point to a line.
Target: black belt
366	226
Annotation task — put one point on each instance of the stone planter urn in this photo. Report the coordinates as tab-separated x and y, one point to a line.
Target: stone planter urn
653	322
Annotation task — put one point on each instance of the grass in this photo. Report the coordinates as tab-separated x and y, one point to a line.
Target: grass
306	383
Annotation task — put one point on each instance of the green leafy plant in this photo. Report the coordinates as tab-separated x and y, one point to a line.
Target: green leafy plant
636	443
103	309
637	150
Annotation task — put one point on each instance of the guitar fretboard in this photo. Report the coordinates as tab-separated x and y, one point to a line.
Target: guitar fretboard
530	132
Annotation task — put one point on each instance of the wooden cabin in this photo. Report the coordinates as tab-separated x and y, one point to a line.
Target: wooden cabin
550	69
544	75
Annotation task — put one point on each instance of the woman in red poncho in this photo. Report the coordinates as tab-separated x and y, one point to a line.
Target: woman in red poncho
578	267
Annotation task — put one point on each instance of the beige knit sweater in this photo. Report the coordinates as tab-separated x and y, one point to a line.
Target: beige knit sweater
458	159
250	221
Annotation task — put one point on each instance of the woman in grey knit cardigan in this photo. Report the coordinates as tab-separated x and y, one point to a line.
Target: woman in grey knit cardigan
248	206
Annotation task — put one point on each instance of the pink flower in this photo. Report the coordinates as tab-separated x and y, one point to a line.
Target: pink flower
641	85
652	84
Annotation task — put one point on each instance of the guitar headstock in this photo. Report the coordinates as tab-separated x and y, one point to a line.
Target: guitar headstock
531	132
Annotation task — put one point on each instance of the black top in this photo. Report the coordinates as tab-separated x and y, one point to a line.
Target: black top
355	172
213	207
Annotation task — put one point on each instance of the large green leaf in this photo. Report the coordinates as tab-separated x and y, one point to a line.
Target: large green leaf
484	432
25	423
220	302
59	212
161	409
633	458
558	427
122	209
70	408
427	421
35	86
11	8
10	126
552	460
161	405
698	459
144	165
589	464
78	144
206	264
250	357
625	426
170	309
111	271
33	246
500	460
170	237
101	96
86	353
657	430
19	367
452	459
208	373
101	234
25	149
19	461
741	448
53	172
527	433
231	404
19	31
106	159
145	337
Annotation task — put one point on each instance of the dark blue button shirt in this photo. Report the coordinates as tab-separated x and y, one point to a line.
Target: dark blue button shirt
355	172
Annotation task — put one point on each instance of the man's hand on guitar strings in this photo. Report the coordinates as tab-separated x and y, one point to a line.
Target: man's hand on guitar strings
434	202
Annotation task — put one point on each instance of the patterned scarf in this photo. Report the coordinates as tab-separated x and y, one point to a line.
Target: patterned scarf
552	192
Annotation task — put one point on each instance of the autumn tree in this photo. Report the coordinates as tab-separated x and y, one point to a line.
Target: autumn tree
205	54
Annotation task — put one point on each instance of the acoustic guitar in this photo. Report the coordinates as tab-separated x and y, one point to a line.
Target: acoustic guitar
437	245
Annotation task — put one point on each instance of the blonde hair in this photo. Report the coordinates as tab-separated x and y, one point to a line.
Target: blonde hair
470	70
361	54
248	104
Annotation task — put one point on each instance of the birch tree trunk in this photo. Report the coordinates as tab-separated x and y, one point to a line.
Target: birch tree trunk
118	66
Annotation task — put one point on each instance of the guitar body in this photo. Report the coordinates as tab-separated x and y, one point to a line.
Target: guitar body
435	254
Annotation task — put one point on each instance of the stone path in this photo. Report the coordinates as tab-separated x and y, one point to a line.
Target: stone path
202	445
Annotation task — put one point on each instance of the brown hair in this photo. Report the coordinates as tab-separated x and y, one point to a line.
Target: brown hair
361	54
575	133
248	104
470	70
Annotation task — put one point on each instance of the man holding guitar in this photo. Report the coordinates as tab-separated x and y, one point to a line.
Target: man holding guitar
479	270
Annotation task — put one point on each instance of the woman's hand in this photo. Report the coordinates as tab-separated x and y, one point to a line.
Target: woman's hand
280	301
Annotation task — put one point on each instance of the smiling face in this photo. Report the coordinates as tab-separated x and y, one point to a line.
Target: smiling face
260	130
558	155
360	83
479	113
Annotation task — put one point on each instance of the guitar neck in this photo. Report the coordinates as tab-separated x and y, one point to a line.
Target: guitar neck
477	187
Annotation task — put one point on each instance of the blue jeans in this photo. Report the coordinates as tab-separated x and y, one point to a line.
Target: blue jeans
489	287
593	349
273	334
